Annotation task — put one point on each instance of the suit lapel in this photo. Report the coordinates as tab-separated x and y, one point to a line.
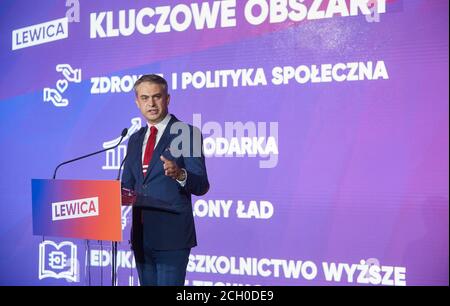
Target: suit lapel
139	149
160	147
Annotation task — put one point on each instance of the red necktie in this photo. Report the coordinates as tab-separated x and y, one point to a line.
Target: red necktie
149	149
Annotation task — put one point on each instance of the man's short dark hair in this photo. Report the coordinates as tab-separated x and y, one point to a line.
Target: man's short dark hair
152	78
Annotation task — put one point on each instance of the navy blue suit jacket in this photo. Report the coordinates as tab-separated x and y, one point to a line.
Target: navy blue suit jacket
167	221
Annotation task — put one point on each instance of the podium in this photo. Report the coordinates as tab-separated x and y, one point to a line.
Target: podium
83	209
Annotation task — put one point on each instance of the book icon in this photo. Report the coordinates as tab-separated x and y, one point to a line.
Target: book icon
58	261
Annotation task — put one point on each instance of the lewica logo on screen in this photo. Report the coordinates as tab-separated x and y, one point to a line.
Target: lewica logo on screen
40	33
74	209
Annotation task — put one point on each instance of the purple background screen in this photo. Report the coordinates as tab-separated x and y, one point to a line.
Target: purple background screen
360	177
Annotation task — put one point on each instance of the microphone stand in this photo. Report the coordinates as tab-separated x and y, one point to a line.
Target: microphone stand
124	133
114	243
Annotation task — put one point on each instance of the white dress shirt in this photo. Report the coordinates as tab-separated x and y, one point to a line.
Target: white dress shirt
161	127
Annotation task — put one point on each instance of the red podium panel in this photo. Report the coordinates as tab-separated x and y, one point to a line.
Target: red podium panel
86	209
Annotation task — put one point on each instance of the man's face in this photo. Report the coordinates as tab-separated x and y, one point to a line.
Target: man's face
153	101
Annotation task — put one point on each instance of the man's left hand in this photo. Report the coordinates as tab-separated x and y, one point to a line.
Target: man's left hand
171	169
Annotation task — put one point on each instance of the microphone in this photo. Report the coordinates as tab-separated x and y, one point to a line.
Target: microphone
124	133
126	155
120	168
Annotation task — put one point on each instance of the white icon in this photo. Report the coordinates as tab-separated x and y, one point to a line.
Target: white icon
52	95
115	156
61	85
55	95
58	261
125	212
71	75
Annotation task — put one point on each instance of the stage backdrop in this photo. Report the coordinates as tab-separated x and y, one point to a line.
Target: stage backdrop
325	125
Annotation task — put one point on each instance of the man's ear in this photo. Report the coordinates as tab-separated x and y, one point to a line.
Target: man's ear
168	99
137	103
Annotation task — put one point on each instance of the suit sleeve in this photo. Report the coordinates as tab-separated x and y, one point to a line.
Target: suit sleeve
197	178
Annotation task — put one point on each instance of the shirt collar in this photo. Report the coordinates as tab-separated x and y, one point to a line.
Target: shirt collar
161	125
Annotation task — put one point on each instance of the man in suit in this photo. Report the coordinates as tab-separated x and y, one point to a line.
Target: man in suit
163	230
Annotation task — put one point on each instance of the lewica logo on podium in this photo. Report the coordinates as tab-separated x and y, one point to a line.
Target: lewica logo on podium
85	209
75	209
